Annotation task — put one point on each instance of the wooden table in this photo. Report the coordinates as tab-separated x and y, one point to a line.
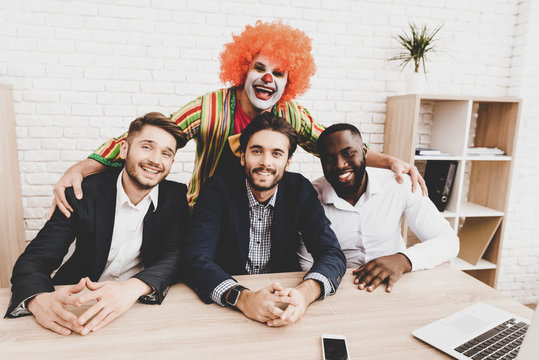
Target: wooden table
377	325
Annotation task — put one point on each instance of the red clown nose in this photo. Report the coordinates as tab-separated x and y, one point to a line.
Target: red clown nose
267	78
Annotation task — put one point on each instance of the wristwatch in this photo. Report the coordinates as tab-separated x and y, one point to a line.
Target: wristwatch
232	295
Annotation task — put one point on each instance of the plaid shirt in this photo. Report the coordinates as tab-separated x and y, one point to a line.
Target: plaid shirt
260	221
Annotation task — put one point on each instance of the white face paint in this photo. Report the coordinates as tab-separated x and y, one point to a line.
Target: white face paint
265	83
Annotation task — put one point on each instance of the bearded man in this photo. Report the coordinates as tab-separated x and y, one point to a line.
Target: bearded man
268	65
248	222
366	206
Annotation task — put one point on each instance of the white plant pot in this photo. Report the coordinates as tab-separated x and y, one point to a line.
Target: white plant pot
414	83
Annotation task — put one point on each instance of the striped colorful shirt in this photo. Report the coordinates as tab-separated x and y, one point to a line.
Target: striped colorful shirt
209	119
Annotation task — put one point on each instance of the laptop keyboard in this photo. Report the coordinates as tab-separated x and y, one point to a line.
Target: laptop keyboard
501	342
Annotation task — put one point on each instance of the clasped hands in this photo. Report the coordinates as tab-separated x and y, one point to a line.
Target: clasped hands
266	305
113	299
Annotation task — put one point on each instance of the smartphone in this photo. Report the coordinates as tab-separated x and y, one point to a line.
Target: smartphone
334	347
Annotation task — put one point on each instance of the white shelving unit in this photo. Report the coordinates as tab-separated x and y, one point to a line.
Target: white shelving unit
478	201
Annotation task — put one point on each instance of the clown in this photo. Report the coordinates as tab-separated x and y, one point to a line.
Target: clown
267	66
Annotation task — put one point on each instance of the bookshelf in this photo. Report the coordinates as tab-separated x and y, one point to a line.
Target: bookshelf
478	201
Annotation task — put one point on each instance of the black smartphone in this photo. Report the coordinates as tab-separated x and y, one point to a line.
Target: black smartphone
334	347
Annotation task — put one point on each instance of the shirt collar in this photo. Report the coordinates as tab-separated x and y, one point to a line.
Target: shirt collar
329	196
121	196
254	202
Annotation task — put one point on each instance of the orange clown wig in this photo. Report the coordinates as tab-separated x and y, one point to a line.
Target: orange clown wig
289	48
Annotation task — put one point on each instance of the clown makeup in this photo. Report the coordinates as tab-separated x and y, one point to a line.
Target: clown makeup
265	83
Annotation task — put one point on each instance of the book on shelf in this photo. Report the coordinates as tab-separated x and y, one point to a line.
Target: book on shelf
484	151
429	152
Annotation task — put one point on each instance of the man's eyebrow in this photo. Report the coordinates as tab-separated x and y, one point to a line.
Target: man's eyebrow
259	64
255	146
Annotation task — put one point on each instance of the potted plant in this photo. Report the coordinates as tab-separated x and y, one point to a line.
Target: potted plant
416	45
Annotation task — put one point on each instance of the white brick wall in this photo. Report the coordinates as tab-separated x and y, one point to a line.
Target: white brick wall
519	273
82	70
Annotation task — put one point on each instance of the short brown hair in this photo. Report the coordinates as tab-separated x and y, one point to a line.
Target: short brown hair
161	121
269	121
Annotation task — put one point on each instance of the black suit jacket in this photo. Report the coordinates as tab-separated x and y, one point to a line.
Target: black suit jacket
91	223
218	240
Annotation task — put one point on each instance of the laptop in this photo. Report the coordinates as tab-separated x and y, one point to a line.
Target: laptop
482	331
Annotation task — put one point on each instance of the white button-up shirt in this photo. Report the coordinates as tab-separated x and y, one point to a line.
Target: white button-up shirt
124	258
372	227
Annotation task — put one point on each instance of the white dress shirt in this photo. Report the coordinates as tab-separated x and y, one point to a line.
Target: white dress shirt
372	227
124	258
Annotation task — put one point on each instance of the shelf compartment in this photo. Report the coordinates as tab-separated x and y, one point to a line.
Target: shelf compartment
475	237
496	125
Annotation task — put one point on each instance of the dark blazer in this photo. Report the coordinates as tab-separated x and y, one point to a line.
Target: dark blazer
218	240
91	223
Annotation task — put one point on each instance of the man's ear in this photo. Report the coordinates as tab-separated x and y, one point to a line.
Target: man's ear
124	147
242	158
288	163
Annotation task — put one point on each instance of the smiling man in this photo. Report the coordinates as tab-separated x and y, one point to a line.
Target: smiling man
128	232
365	207
250	223
268	66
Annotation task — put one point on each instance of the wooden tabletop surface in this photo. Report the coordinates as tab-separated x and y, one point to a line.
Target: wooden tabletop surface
377	325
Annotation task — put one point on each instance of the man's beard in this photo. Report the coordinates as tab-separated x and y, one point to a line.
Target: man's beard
359	174
251	181
130	169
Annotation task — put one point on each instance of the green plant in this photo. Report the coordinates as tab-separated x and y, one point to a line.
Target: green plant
416	46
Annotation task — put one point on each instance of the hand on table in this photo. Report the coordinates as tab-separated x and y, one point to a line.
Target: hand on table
113	299
383	269
400	168
50	311
262	304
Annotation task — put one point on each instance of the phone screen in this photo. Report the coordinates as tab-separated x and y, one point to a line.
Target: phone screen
335	349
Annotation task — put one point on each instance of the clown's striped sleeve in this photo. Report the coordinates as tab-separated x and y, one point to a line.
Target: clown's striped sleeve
187	118
307	129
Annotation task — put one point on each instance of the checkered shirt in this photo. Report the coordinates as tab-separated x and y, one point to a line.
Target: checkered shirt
260	220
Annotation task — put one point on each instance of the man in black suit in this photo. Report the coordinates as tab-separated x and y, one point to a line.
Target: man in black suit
252	222
128	233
